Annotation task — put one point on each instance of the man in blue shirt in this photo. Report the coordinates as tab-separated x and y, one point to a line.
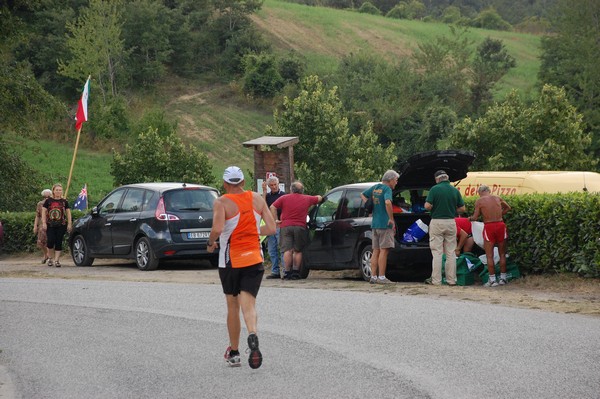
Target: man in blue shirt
383	224
273	241
444	201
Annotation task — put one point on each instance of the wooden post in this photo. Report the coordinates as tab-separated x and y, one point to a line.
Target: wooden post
73	162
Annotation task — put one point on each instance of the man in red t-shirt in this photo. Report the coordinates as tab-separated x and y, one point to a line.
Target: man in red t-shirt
294	233
464	235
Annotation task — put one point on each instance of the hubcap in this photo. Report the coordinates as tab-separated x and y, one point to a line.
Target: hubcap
366	263
78	250
142	254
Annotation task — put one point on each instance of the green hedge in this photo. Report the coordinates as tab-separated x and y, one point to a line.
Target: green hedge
552	233
18	231
548	233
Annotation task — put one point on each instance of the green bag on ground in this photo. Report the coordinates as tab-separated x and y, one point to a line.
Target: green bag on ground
466	266
512	272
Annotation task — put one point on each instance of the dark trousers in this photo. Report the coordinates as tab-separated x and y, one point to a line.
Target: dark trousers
54	236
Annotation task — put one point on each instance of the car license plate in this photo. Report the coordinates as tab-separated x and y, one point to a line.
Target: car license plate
198	234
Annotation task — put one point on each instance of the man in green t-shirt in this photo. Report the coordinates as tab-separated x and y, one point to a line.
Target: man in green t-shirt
383	224
444	201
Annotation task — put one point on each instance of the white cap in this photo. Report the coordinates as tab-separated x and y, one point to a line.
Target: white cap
233	175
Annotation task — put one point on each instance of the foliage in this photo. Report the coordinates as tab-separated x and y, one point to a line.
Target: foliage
445	63
291	67
328	154
491	63
154	158
149	46
20	184
398	12
490	19
18	231
24	104
96	46
546	135
570	59
261	75
369	8
108	120
553	233
156	119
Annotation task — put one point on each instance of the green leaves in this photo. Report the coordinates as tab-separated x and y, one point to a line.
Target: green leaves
156	158
512	135
328	155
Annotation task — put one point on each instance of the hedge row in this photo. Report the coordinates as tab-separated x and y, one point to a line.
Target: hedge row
551	233
18	231
548	233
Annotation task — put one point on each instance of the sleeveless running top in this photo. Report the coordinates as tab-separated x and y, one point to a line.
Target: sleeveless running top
240	242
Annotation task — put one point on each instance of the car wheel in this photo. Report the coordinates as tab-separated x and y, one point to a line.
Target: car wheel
364	262
80	253
144	256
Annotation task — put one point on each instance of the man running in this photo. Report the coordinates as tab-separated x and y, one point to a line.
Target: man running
236	222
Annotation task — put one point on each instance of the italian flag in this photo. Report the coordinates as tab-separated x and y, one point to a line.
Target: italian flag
82	112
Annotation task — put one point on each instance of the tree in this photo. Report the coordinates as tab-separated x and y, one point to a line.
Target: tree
570	59
155	158
490	19
149	47
328	155
546	135
96	46
261	77
491	63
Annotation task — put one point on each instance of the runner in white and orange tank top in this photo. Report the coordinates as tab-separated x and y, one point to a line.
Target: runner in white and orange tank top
236	222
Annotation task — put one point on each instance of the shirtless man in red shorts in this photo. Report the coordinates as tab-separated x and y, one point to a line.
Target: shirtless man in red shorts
492	208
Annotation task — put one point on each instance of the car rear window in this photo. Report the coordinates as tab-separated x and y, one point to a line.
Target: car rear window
190	200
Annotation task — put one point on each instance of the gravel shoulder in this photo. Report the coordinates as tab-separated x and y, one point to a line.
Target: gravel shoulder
560	293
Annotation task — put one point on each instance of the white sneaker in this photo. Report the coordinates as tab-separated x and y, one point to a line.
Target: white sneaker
384	281
373	280
502	282
491	284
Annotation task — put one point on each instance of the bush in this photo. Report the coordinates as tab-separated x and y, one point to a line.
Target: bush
261	76
18	231
369	8
553	233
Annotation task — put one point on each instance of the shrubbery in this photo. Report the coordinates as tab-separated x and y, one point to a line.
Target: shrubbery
549	233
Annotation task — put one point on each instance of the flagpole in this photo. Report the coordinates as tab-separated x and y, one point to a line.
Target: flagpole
73	162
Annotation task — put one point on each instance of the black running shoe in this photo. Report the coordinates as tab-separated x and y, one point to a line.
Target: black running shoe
255	358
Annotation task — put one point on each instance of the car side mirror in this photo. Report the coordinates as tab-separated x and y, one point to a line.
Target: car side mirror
95	211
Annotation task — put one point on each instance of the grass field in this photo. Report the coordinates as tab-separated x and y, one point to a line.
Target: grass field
323	35
53	160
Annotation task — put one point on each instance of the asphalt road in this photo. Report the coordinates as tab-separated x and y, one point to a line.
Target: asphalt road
105	339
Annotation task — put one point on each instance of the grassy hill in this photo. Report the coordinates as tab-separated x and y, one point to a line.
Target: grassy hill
217	119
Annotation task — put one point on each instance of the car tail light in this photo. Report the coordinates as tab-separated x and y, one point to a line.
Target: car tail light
161	214
169	253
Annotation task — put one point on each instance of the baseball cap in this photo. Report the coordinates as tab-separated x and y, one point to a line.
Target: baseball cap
233	175
440	173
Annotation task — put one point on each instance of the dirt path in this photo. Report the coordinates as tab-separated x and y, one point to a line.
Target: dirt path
563	294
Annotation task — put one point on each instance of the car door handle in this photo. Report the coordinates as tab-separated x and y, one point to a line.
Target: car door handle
133	220
107	224
354	224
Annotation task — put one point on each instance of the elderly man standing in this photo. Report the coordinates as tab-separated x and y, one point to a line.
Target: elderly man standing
383	225
273	240
294	233
444	201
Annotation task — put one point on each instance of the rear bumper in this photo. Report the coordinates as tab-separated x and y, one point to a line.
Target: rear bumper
182	250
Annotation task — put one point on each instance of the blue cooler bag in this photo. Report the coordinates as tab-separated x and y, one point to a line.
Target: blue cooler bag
415	232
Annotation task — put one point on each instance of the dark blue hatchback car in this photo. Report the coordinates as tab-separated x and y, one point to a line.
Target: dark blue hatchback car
340	226
147	222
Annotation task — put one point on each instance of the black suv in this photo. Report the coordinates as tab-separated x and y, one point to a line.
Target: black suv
340	228
146	222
